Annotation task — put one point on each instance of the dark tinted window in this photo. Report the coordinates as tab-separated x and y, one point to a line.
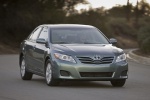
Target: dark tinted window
35	34
77	36
44	33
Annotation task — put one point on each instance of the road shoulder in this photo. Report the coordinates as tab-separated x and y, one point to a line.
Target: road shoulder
137	58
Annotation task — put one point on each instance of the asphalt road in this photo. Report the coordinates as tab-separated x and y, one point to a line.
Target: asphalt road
13	88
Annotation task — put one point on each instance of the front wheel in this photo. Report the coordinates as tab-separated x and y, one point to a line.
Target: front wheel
118	83
49	75
25	75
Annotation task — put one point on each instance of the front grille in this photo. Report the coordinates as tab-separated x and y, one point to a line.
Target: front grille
96	74
88	60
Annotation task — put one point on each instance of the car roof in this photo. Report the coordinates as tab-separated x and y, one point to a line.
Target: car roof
67	26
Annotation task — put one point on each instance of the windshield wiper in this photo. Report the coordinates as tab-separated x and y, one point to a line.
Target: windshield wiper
91	43
88	43
60	43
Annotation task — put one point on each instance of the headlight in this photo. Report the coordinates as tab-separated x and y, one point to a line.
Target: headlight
121	57
64	57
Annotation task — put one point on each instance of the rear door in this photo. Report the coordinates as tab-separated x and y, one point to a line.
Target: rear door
30	47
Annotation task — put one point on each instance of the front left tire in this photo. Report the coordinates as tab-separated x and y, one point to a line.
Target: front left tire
25	75
49	75
118	83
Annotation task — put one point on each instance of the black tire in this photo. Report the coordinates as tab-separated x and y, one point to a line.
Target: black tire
118	83
25	75
49	75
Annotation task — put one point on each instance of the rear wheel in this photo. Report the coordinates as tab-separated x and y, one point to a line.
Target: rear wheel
49	75
118	83
25	75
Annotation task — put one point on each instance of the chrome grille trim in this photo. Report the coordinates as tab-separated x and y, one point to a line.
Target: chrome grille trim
89	60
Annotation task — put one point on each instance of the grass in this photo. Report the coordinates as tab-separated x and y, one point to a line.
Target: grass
138	52
8	49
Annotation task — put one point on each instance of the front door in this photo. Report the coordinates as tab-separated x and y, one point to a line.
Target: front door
30	48
40	51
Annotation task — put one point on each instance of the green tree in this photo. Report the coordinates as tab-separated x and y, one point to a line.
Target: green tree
19	17
95	17
144	8
121	11
128	11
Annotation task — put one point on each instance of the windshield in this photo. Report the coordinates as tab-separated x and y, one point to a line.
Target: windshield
77	36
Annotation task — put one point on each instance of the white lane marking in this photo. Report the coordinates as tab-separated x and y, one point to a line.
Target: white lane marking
131	58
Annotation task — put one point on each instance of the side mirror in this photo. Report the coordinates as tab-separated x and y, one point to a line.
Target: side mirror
113	41
41	40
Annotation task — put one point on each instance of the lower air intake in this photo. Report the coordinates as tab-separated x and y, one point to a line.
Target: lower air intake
96	74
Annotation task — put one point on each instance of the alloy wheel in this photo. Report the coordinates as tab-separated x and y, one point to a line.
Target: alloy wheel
22	68
48	73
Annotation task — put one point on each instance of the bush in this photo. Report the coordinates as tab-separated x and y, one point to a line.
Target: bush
120	27
89	18
144	39
145	47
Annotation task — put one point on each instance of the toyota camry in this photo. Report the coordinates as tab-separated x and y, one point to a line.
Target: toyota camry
72	52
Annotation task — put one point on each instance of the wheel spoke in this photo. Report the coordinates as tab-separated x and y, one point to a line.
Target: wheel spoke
22	69
48	73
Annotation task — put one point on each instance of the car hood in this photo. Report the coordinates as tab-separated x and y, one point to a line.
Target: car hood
87	49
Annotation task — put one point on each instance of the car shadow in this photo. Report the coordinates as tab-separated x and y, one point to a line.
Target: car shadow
85	84
77	84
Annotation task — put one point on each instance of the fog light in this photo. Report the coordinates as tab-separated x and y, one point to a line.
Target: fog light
64	73
124	73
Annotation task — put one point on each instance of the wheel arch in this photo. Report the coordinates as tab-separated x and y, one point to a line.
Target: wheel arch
47	58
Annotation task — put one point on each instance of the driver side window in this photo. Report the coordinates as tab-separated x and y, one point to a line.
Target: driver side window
35	34
44	33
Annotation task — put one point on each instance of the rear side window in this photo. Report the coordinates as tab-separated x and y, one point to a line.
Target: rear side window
44	33
35	34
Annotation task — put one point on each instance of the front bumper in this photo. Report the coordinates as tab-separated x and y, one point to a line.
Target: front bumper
94	72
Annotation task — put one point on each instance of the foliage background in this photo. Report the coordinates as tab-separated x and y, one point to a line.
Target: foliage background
127	23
